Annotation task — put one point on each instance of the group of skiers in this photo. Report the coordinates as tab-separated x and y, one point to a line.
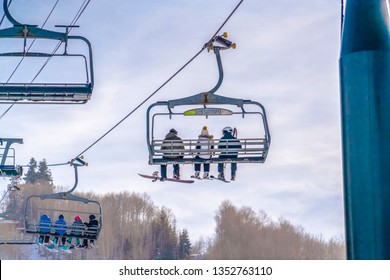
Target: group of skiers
227	145
63	233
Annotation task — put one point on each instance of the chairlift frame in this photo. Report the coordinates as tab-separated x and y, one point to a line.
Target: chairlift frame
32	225
8	168
255	150
45	93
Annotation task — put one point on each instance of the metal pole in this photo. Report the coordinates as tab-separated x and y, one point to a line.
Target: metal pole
365	111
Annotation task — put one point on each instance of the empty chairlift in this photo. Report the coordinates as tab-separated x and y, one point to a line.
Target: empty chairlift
65	91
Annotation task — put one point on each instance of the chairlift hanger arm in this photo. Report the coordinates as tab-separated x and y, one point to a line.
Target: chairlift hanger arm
8	15
21	30
209	97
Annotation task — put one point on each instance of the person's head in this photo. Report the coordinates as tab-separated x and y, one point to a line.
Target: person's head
61	217
77	218
227	129
92	217
205	133
173	131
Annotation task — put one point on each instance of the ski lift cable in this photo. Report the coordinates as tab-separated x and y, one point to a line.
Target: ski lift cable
54	164
73	22
80	12
165	83
22	59
32	43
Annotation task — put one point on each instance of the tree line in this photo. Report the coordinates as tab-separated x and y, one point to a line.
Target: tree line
134	228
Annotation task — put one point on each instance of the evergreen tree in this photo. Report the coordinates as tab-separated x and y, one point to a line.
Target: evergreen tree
44	172
185	247
165	237
31	175
38	172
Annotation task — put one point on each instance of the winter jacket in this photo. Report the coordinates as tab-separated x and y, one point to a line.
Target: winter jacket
228	141
205	144
172	141
60	226
78	227
44	224
92	226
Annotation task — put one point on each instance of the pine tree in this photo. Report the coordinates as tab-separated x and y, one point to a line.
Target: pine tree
31	175
38	172
165	237
185	247
44	172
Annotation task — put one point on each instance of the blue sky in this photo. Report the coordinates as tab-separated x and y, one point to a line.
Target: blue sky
286	58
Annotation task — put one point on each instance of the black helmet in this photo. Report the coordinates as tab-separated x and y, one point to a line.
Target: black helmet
174	131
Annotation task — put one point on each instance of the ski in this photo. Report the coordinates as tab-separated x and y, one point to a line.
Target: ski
158	178
200	178
216	178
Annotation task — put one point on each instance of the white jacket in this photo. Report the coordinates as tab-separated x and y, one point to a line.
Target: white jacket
205	144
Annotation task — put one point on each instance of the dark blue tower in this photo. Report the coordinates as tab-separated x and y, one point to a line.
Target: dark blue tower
365	111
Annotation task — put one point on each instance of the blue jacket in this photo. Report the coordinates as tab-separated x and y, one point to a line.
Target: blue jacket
44	224
60	226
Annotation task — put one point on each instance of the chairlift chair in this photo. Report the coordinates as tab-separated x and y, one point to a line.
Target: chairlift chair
45	93
208	104
65	203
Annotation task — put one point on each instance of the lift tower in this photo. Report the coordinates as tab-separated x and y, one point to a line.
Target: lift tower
365	112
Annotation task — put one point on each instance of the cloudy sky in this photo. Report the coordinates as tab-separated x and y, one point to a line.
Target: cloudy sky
286	58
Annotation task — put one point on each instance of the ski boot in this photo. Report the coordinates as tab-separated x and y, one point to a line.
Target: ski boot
221	176
197	175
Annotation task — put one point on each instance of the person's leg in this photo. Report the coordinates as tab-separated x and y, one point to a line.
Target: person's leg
220	167
233	170
197	170
221	174
163	171
206	171
176	171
